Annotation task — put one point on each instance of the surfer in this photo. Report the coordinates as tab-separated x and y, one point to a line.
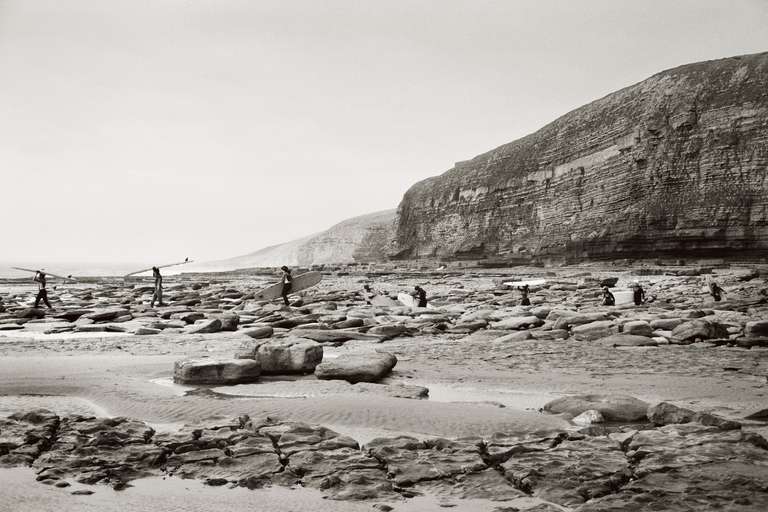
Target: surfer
421	296
638	294
42	293
608	298
715	290
524	290
158	293
287	282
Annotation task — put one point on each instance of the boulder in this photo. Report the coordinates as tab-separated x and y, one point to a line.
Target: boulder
627	340
699	329
756	329
229	322
106	315
637	327
665	413
518	322
610	282
579	319
388	331
612	407
257	333
216	372
336	335
357	367
144	331
289	355
541	311
515	336
31	313
206	326
348	323
589	417
666	324
594	330
189	317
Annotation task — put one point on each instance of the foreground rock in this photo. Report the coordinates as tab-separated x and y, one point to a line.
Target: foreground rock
213	372
357	368
285	356
667	468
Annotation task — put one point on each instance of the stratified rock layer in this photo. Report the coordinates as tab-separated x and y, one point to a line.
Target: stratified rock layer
676	164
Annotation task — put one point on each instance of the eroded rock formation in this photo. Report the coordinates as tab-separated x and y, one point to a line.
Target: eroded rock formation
674	165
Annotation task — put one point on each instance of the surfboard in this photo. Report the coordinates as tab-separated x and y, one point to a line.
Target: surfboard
406	300
300	282
159	266
410	301
624	297
531	282
47	274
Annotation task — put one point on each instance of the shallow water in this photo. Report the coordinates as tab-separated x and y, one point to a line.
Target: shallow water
513	399
21	493
61	405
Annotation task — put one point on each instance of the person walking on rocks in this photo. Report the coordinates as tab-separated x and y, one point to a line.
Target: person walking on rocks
608	298
421	296
42	293
638	294
715	290
158	293
524	291
287	282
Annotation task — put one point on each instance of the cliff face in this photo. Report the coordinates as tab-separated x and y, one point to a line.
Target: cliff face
674	165
360	239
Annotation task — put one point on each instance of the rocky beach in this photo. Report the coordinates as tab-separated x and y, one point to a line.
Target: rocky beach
349	400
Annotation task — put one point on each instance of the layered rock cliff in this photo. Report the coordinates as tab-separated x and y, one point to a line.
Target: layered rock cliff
360	239
674	165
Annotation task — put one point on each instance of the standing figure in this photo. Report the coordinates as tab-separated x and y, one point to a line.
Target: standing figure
421	296
639	294
524	291
287	282
715	290
158	294
42	293
608	298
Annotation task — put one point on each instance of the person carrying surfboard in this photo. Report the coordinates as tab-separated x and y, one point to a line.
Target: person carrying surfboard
158	293
42	293
421	296
287	281
638	294
715	290
524	290
608	298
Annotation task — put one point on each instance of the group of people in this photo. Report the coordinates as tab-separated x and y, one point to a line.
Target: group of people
419	294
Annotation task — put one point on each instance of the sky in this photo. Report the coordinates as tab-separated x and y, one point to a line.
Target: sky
152	130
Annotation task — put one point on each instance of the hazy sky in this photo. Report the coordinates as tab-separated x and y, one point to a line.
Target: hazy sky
151	130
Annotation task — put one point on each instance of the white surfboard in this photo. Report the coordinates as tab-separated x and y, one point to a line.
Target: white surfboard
624	296
531	282
159	266
410	301
47	274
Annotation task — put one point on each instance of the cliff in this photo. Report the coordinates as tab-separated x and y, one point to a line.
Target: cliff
674	165
360	239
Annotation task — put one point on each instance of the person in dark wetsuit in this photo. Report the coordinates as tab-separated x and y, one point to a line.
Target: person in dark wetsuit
715	291
421	296
638	294
157	295
608	298
524	291
287	281
42	293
